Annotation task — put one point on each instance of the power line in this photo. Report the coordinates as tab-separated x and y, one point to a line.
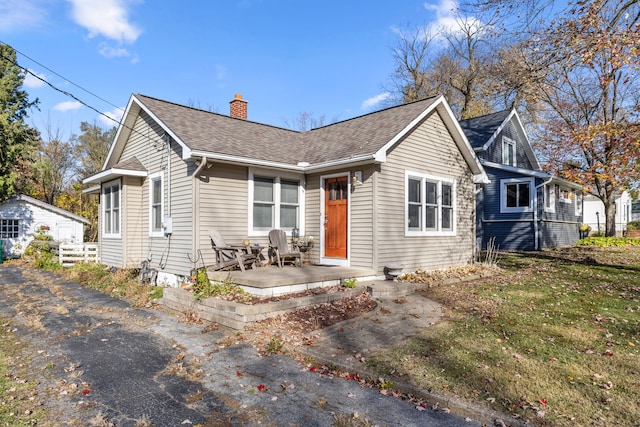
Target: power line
59	75
69	94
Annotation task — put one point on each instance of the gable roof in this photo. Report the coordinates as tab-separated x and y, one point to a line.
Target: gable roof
47	206
219	137
482	131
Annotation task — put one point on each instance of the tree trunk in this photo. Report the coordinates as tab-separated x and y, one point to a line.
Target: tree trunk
610	216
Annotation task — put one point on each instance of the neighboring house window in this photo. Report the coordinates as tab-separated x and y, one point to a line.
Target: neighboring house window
516	195
156	205
111	210
430	205
566	196
508	151
275	203
9	228
550	198
578	203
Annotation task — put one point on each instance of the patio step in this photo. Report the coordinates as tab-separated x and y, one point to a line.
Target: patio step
236	315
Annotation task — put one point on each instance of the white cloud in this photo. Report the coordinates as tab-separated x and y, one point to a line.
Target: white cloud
448	18
375	100
32	82
112	118
68	106
108	18
117	52
221	71
20	15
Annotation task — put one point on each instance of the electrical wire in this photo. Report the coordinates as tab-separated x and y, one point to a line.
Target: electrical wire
70	95
61	76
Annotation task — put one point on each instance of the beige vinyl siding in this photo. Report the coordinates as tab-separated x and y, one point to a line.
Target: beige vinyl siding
133	221
223	204
430	150
146	143
312	218
362	225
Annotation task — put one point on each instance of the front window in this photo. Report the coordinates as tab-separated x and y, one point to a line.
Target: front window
9	228
516	195
275	203
508	151
430	205
156	205
111	210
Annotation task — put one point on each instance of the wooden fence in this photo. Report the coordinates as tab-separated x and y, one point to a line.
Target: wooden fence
72	253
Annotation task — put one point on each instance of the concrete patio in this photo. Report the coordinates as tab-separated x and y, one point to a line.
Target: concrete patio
272	281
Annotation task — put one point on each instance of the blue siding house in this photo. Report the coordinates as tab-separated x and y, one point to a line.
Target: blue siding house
522	208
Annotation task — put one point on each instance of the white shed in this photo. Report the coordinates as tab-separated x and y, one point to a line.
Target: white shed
22	216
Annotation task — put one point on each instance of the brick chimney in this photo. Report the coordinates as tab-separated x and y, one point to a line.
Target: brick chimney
238	107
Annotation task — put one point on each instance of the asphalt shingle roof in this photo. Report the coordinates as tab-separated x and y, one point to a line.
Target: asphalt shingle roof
132	164
209	132
479	129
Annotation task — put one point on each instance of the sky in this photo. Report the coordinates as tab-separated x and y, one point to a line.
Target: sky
331	58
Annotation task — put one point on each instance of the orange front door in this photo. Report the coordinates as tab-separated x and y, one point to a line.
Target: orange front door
335	217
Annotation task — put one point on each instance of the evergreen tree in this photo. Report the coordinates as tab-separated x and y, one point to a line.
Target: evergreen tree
17	139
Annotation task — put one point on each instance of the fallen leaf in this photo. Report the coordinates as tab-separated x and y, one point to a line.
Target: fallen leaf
238	373
86	391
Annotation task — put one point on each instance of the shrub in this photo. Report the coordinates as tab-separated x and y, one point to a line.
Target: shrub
204	288
633	225
349	283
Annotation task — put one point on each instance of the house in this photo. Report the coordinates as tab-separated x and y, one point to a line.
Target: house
22	216
523	208
594	212
394	186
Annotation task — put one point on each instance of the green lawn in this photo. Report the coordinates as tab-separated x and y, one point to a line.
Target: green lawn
554	339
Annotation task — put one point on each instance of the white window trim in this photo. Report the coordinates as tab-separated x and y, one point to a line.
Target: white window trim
503	195
509	141
102	195
569	198
153	177
277	177
551	188
19	228
439	180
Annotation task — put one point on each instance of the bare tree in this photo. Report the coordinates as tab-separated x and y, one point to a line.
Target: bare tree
53	167
306	121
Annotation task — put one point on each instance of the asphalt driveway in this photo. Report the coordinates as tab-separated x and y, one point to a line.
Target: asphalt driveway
97	359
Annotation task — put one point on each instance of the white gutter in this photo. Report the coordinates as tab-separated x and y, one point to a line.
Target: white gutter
300	167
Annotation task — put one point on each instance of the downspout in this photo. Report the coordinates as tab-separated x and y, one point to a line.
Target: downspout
203	163
195	200
168	176
535	211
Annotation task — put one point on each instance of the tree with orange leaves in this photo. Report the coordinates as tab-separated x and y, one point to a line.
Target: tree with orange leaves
587	76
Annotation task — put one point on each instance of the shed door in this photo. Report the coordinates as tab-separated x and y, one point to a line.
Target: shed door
335	217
